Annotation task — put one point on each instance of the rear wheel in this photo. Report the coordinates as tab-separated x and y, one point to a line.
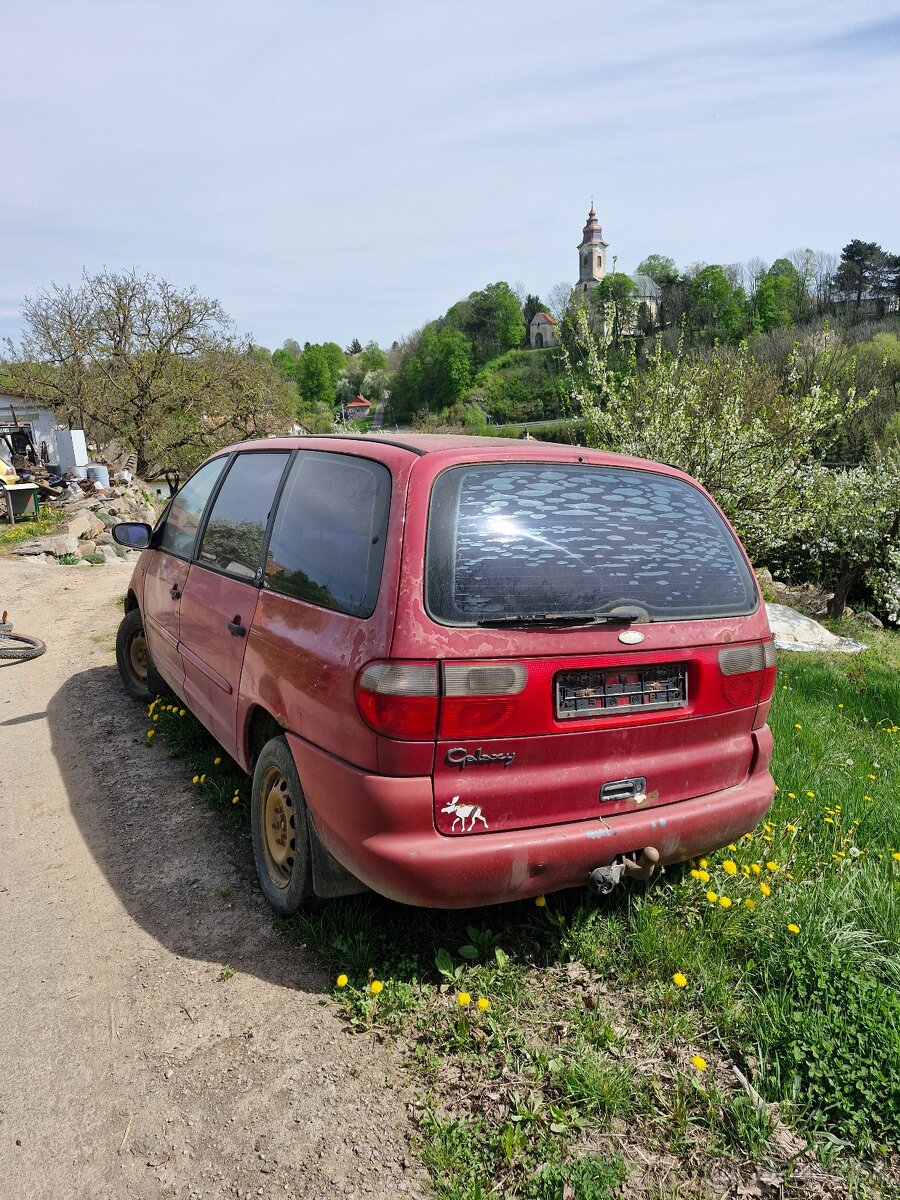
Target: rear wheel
280	830
131	655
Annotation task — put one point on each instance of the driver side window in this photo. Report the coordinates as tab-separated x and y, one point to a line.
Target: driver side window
183	518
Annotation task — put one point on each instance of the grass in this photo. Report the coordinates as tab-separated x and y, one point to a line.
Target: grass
586	1060
47	522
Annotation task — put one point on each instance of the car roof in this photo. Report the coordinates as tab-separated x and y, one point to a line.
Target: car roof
462	446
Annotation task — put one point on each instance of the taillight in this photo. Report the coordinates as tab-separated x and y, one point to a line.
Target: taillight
399	699
748	673
477	697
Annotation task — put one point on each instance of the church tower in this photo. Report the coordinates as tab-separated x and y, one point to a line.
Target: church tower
591	255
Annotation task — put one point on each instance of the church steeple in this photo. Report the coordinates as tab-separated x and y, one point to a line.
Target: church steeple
591	253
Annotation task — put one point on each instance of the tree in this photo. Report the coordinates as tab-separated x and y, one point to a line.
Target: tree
560	297
314	376
491	319
354	347
434	374
660	268
160	371
717	305
613	302
859	263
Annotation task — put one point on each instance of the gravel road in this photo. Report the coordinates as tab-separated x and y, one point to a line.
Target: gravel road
128	1068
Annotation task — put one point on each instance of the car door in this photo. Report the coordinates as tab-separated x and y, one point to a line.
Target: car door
167	572
222	589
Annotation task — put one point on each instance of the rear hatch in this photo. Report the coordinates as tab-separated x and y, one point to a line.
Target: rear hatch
597	640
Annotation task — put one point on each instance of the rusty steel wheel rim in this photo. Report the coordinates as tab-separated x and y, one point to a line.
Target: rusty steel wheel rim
278	826
137	655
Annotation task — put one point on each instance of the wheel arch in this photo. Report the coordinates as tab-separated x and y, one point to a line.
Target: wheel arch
131	601
260	728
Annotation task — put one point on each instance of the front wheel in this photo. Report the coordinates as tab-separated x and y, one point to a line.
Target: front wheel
280	830
131	655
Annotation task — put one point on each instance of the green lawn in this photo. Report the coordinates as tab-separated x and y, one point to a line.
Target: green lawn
673	1031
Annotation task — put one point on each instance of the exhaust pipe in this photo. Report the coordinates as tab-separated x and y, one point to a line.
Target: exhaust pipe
603	879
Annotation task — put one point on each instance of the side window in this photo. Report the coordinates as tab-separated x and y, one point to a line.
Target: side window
233	538
183	518
327	543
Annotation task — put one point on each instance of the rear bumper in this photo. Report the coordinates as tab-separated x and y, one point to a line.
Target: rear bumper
382	829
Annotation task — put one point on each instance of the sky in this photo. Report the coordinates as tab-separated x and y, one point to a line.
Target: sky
333	170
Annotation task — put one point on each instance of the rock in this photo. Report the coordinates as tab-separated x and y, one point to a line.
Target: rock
57	543
796	631
867	618
86	548
764	575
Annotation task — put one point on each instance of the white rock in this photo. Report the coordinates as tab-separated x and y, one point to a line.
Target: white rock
793	630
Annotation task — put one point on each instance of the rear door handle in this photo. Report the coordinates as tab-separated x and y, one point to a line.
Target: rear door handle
236	628
175	592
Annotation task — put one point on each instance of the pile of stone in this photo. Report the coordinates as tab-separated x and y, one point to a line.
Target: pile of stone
85	533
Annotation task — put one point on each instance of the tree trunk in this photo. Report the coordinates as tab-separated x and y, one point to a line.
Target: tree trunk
845	582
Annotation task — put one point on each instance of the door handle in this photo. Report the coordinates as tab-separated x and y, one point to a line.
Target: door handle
236	628
175	592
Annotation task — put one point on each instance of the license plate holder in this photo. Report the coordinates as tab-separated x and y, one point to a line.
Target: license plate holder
604	692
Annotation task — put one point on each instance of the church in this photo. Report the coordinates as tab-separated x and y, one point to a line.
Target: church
591	270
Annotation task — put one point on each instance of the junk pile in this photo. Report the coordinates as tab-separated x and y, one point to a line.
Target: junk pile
87	506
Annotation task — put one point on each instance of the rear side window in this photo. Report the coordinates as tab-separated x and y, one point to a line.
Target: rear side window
183	518
233	538
327	544
530	539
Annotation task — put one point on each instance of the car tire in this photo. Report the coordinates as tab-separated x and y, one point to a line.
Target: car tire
131	655
280	830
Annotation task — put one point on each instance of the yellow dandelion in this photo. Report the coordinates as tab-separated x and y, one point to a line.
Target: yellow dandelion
203	778
156	716
868	799
376	986
745	871
342	981
463	999
792	796
196	779
750	902
180	712
811	795
725	901
698	1062
765	889
840	706
235	799
829	820
695	874
483	1004
729	867
772	866
679	980
703	876
791	828
540	901
732	847
756	868
712	897
793	928
150	733
798	726
216	761
703	863
871	777
896	856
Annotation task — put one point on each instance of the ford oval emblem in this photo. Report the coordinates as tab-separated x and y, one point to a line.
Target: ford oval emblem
631	637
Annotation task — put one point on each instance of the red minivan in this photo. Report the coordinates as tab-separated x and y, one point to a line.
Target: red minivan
461	670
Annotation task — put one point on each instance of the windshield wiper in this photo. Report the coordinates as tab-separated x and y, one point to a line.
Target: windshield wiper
623	614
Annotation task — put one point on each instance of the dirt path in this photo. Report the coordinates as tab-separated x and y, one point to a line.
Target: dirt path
128	1069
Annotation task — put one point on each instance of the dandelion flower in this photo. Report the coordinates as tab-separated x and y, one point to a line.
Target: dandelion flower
540	901
235	799
712	897
791	828
695	874
798	726
216	761
703	863
840	706
871	777
376	986
793	928
792	796
896	856
725	901
342	981
463	999
679	980
150	733
755	868
765	889
703	876
732	847
196	779
483	1004
772	866
829	820
698	1062
750	902
729	867
811	795
203	778
180	712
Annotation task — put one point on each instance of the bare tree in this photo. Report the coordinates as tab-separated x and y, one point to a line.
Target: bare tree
559	298
130	356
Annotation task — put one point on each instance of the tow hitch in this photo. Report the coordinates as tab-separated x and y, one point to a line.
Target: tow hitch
603	879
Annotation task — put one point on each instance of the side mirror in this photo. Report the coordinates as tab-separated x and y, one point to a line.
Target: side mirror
133	534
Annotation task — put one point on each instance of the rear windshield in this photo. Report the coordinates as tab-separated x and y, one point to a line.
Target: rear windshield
532	538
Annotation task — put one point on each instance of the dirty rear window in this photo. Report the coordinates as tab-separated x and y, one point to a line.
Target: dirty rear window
530	539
